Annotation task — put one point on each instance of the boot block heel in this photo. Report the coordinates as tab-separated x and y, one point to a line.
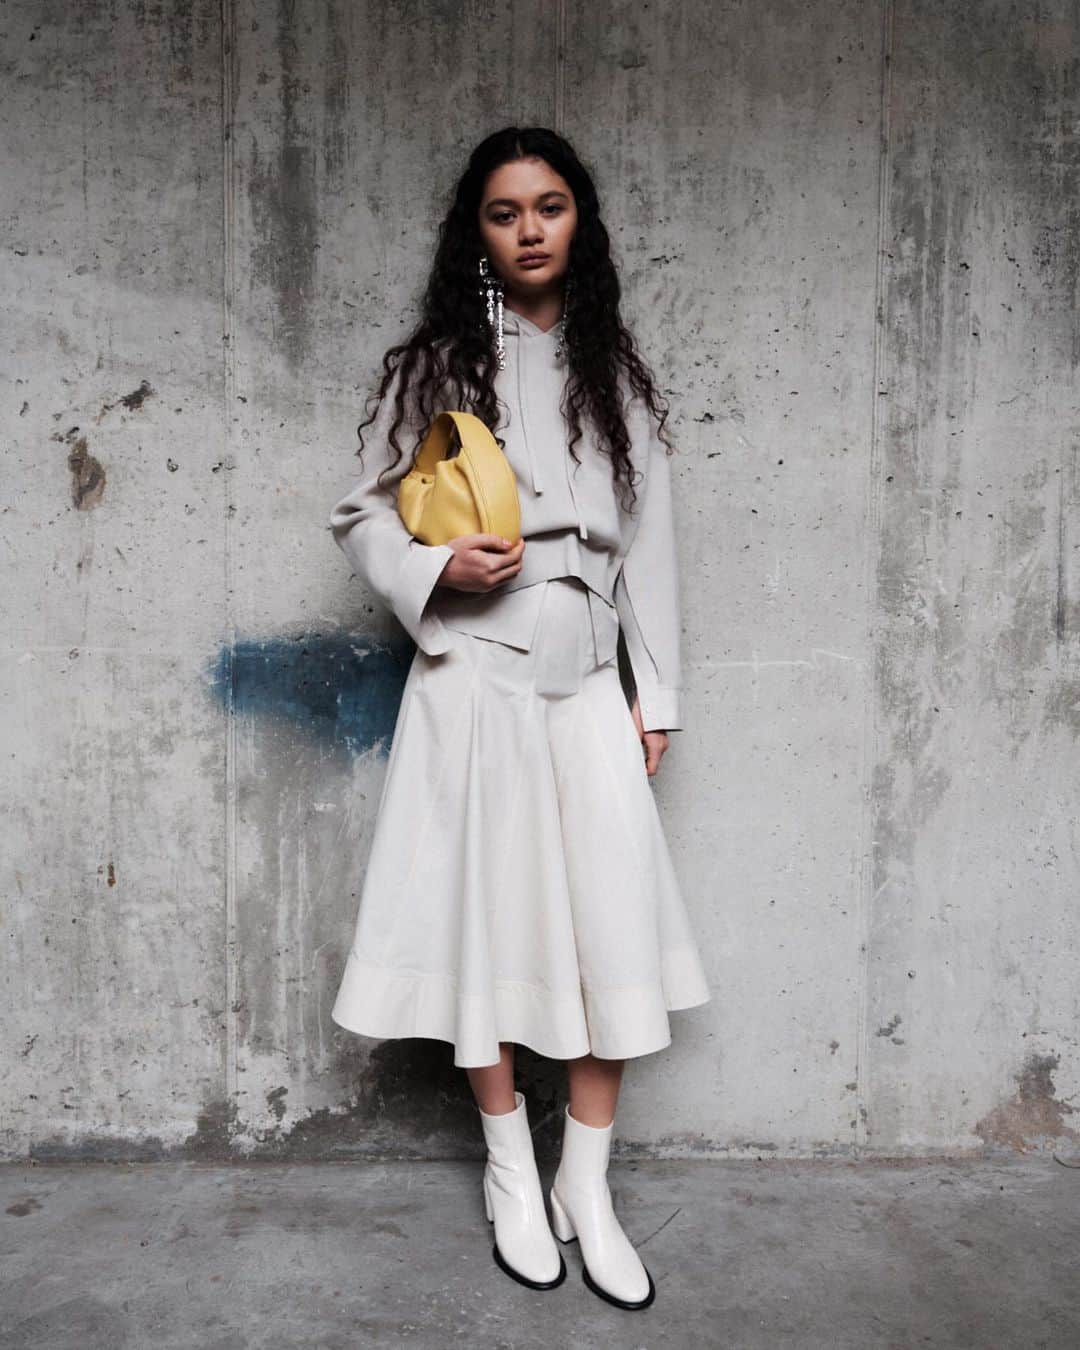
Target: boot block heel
560	1221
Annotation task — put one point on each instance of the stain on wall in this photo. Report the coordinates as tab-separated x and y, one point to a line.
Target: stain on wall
1034	1116
134	401
87	474
342	692
404	1098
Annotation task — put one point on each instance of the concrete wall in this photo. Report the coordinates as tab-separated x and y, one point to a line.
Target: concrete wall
848	235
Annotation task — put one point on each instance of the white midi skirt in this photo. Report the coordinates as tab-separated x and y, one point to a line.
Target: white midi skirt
519	885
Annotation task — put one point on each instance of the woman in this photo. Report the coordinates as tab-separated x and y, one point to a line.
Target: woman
519	888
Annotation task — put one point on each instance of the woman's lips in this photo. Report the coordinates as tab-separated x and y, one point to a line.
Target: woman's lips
534	262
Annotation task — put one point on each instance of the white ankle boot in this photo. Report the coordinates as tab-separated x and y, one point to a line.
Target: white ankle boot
581	1207
514	1201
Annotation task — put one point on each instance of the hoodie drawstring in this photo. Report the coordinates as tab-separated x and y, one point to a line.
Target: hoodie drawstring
582	527
520	347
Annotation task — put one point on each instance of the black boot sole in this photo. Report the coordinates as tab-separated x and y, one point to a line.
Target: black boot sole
505	1265
610	1298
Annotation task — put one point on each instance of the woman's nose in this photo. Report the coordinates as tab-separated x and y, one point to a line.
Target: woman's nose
531	232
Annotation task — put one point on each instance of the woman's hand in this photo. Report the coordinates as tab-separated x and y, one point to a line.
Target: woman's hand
481	562
654	743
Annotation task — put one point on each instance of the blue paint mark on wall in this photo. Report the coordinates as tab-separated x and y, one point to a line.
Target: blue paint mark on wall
344	690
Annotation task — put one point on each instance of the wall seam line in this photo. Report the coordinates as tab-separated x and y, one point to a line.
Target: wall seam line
560	66
867	859
228	232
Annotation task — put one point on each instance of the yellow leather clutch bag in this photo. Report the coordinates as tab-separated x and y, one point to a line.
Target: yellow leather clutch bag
471	492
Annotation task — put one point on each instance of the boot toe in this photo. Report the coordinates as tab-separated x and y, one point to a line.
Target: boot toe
622	1291
530	1270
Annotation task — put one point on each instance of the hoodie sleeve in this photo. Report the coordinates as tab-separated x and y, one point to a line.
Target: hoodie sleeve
646	596
365	524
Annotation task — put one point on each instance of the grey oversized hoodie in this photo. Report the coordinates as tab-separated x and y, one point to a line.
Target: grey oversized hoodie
571	520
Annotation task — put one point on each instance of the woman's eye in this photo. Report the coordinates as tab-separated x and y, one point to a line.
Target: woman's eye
503	217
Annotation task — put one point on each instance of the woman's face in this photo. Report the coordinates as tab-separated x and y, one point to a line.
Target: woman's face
526	208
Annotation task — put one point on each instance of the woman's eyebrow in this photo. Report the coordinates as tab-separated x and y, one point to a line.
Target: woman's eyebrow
510	201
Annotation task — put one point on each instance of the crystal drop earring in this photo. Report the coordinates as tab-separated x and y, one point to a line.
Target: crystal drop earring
491	290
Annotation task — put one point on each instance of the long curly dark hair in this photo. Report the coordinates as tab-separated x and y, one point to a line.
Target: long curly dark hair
449	359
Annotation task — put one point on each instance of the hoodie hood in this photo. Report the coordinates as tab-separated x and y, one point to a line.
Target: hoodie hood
520	326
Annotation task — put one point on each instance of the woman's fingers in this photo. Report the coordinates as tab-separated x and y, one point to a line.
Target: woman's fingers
655	743
482	561
503	574
508	564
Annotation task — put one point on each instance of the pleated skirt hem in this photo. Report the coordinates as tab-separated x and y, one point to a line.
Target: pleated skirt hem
611	1023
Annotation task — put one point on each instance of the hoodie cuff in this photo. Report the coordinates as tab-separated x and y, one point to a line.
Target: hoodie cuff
413	585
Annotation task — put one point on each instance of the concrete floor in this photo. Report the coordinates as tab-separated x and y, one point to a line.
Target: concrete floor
744	1255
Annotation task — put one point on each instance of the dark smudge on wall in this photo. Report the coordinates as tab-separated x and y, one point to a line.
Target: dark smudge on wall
343	690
